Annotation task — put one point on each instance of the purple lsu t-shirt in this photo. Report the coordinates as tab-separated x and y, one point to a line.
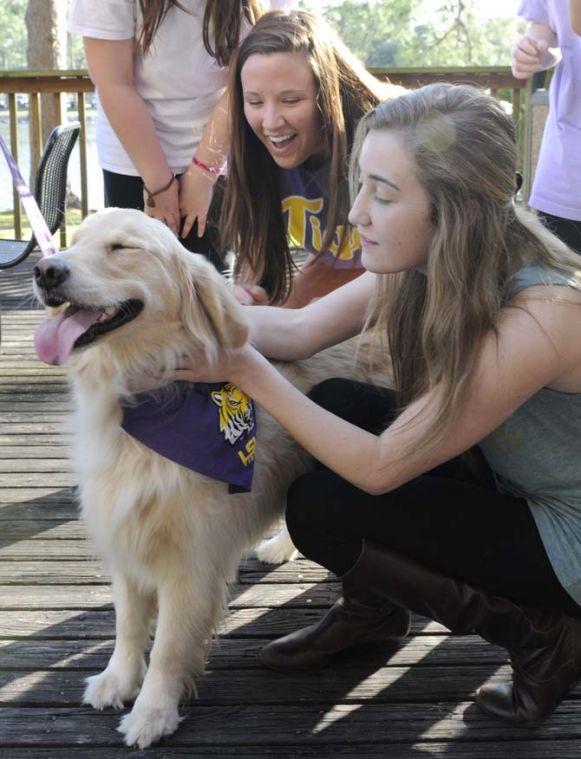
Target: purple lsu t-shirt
304	193
557	183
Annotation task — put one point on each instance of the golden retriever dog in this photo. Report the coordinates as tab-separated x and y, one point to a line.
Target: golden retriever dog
131	303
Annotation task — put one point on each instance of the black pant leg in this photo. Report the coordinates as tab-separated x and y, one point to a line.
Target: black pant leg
122	191
207	245
566	229
374	408
458	528
452	518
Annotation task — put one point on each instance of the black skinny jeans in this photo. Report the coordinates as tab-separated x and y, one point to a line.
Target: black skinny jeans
123	191
451	518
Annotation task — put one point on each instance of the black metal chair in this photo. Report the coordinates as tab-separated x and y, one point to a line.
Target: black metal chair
50	191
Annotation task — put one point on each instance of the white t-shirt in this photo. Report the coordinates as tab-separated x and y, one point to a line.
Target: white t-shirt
178	80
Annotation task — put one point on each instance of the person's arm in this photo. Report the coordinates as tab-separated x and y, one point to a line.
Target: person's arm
530	350
110	64
317	279
531	52
291	334
197	185
575	12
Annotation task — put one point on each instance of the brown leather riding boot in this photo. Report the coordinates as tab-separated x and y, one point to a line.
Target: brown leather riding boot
347	624
545	653
545	647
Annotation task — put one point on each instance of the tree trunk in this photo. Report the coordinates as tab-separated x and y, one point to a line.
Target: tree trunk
46	50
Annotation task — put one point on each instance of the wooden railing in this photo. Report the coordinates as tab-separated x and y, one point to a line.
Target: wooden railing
34	84
497	80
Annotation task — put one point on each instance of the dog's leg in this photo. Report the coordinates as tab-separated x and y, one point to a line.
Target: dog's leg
188	614
121	679
277	549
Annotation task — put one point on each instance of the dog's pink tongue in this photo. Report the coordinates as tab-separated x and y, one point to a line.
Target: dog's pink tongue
54	338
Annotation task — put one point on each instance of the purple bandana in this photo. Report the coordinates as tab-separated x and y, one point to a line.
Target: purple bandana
210	429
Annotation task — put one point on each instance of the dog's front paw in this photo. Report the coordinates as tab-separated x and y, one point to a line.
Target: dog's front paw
278	549
144	726
110	688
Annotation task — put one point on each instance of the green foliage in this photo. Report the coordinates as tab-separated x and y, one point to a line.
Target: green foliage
76	52
14	38
395	33
13	47
380	32
375	33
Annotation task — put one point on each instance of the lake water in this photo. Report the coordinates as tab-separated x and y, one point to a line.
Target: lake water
94	175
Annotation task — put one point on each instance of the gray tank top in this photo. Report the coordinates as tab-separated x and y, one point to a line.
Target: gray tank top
536	455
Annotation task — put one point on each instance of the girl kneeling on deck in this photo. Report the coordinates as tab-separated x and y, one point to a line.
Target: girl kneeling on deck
481	310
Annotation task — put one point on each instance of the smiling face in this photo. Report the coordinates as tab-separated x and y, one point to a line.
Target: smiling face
127	288
100	283
280	105
392	211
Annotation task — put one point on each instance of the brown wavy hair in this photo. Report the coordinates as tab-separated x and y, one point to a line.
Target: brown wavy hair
463	147
221	26
252	218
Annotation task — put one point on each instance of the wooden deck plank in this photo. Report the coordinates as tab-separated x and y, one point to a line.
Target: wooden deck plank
48	504
36	465
44	452
38	480
29	654
55	417
29	597
56	403
303	725
25	529
255	622
73	572
563	749
416	684
297	595
19	439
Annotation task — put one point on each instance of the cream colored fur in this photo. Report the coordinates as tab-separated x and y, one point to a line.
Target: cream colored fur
172	539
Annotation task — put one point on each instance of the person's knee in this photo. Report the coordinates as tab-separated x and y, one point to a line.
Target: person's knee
303	511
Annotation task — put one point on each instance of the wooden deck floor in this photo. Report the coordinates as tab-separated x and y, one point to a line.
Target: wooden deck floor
56	626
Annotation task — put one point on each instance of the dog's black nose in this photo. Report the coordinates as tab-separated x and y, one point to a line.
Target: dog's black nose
50	273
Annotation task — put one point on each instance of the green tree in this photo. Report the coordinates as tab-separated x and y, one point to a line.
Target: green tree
13	47
14	38
376	32
456	36
395	33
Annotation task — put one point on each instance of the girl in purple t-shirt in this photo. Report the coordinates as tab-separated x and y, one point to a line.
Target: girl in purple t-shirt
297	94
556	190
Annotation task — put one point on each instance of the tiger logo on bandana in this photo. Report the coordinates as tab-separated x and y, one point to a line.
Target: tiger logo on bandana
235	414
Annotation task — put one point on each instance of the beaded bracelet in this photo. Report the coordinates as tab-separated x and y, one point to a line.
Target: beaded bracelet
219	172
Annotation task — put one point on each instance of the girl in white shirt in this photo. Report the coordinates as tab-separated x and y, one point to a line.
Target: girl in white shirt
160	69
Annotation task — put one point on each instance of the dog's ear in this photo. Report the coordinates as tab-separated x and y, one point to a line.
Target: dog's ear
210	312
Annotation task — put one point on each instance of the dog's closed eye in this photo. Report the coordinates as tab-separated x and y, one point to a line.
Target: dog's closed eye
116	246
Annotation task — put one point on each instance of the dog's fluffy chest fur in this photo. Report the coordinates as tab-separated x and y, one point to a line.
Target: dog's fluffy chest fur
139	506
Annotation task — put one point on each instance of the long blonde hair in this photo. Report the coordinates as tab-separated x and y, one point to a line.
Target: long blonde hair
252	214
463	147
